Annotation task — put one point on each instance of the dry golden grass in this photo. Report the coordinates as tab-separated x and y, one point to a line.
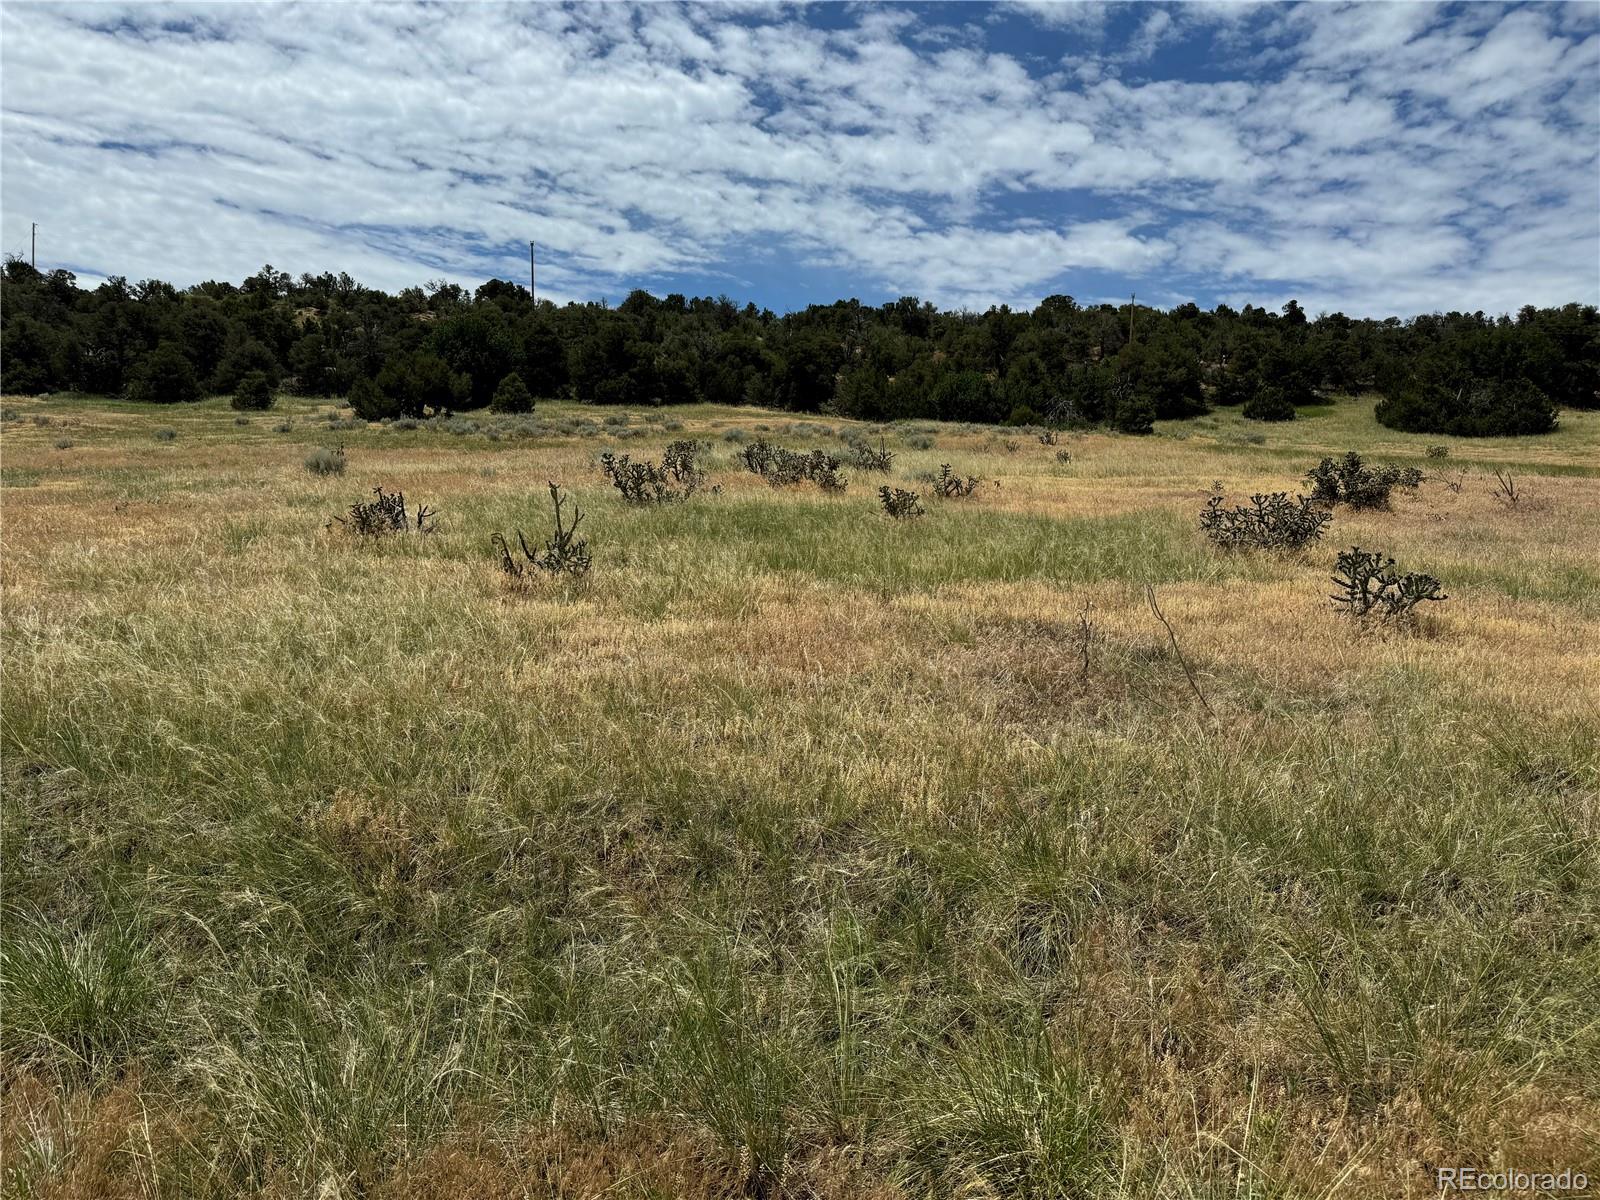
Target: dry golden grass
794	849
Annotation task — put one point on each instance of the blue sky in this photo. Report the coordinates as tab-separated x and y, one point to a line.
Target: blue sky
1374	158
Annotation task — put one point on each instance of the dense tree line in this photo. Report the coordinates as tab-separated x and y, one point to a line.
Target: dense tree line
442	348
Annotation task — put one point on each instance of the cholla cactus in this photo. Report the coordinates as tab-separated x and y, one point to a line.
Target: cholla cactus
1371	584
564	552
1272	522
899	503
781	467
952	486
387	514
868	459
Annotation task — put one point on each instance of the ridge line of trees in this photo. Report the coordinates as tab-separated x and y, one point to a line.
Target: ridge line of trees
441	348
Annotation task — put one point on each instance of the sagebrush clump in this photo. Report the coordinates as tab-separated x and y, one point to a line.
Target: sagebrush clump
323	461
1268	522
1350	480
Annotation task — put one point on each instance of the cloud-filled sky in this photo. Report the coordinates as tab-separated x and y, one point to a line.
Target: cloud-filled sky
1374	158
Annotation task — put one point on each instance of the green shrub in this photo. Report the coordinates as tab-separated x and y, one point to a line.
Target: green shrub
1270	403
678	477
512	396
951	486
1351	481
165	434
1133	414
164	377
253	394
1481	408
370	402
386	514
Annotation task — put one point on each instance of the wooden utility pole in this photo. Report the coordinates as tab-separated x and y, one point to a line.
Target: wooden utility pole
533	287
33	249
1131	298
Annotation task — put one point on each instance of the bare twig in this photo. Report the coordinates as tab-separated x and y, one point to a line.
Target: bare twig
1150	595
1085	637
1505	488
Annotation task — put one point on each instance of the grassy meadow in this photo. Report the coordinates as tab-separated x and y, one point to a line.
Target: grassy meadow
795	850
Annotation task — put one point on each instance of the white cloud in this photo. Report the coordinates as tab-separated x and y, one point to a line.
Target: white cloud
1372	157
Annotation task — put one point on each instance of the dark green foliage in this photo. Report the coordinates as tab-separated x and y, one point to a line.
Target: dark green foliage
315	366
28	352
253	393
564	553
1163	377
370	403
446	350
1133	414
899	503
965	396
1369	584
165	378
1350	480
1481	408
385	514
246	358
474	346
420	382
1271	522
512	396
1270	403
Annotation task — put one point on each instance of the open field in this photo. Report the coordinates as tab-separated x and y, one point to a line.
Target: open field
795	850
